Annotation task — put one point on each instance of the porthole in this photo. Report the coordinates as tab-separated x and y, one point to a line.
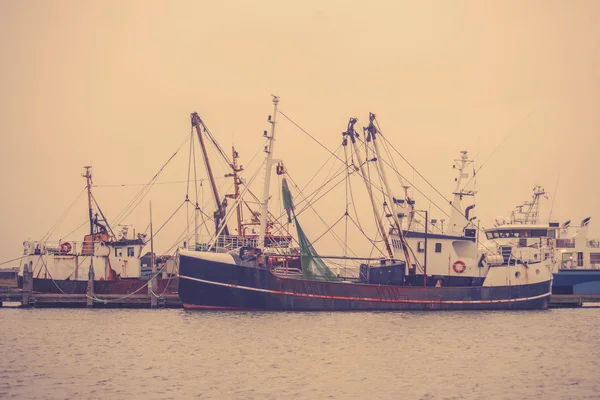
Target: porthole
517	274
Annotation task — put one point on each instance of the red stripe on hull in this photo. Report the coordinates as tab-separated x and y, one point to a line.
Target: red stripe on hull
202	307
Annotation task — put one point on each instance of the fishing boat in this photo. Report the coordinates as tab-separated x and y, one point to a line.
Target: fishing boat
115	264
576	258
258	278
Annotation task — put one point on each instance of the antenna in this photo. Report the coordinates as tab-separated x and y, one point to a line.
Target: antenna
553	198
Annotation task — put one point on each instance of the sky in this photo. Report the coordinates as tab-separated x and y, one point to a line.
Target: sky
112	84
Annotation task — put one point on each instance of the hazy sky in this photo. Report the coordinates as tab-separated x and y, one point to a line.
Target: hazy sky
112	84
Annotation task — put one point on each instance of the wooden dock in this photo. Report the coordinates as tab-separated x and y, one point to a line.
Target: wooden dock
54	300
572	300
26	297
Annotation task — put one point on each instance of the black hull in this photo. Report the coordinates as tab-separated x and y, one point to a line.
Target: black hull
215	285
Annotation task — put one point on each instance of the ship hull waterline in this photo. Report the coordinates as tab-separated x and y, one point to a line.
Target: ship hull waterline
206	284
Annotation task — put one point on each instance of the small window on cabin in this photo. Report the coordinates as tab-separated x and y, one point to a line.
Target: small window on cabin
580	259
130	252
522	242
118	252
420	247
495	234
551	233
489	235
517	233
438	247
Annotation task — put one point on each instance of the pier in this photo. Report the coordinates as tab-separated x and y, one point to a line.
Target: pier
26	297
572	300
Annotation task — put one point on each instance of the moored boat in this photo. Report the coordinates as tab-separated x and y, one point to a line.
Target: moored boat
252	277
576	257
114	264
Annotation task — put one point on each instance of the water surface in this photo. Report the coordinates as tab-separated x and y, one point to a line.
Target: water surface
176	354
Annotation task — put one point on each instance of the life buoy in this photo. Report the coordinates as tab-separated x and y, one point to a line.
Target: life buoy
65	247
459	267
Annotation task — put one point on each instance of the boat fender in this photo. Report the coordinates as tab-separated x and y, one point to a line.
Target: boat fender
459	266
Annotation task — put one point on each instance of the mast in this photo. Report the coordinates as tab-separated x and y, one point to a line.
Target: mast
268	164
152	261
533	208
372	132
236	186
220	214
88	176
458	220
351	134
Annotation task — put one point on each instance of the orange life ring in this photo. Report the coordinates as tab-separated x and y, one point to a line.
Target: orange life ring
65	247
459	267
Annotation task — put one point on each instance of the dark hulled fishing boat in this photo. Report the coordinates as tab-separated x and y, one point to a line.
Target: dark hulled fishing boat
261	278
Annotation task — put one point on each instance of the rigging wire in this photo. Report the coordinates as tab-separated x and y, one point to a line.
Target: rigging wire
14	259
76	229
309	135
143	184
515	129
61	218
142	193
336	237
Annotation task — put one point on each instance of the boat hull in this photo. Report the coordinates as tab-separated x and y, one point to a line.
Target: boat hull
124	286
577	281
210	284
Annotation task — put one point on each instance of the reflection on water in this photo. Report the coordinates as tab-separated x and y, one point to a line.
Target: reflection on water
162	354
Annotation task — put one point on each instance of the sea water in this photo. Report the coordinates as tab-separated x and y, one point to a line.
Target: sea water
176	354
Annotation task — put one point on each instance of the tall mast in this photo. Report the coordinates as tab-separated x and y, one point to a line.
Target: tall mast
236	185
268	164
197	123
351	134
372	132
458	220
88	177
152	260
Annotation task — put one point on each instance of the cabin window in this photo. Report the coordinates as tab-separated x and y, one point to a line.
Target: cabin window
438	247
130	252
420	247
551	233
580	259
539	233
595	259
118	252
522	242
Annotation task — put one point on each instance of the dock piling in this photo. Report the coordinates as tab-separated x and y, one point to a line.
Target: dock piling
90	288
27	299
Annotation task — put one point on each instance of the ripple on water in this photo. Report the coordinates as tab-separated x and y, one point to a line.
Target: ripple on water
130	354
